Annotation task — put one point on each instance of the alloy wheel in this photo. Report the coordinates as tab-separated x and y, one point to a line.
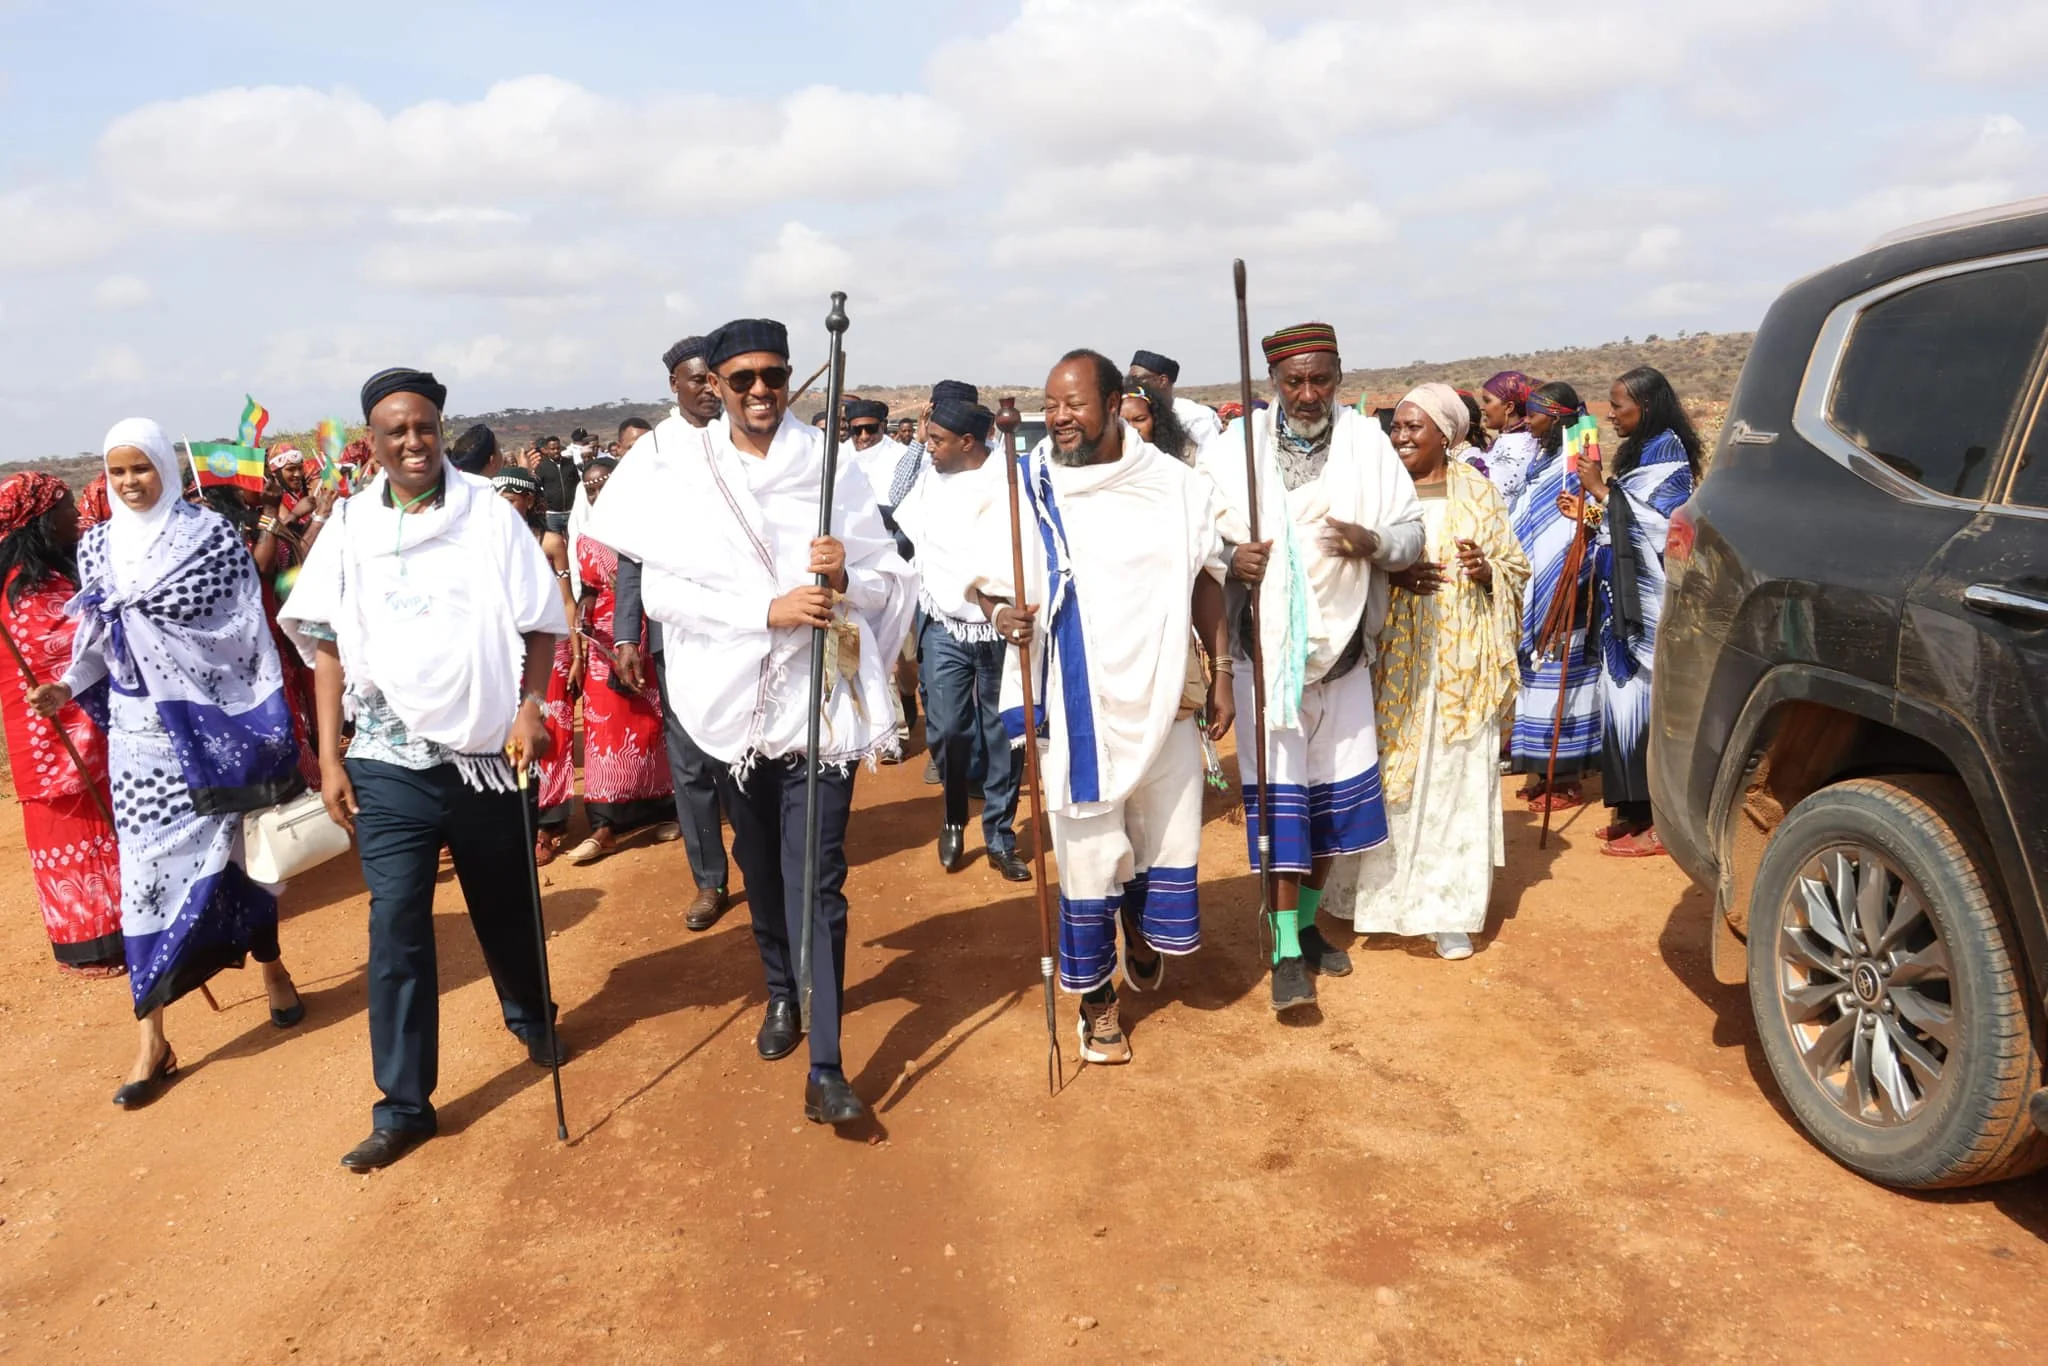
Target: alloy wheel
1866	986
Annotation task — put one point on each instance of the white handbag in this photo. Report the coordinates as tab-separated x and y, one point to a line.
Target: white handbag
280	842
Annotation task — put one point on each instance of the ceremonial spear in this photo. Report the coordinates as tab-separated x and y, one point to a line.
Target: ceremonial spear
1055	1068
835	384
1251	483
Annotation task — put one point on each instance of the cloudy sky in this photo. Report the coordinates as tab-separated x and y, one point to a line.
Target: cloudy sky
200	198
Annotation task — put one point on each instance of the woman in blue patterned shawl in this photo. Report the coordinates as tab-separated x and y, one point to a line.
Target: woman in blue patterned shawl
173	650
1655	472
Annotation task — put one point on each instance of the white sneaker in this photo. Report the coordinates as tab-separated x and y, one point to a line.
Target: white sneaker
1453	946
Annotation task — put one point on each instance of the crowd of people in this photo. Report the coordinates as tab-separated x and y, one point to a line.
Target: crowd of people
1412	600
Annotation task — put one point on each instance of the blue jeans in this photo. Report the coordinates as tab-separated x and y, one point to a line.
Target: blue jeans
963	688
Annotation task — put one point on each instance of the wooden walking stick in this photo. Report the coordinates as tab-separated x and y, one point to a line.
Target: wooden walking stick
1556	636
1055	1066
1251	483
540	934
835	384
798	393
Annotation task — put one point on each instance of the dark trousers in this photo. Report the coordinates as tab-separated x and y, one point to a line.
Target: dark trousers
962	682
695	777
404	816
767	815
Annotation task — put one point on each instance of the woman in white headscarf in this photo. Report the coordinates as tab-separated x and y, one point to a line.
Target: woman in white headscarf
1443	678
174	647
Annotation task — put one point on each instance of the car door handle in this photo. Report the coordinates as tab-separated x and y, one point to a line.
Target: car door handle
1989	597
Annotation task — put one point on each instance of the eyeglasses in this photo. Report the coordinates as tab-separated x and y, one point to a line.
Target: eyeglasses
743	381
866	429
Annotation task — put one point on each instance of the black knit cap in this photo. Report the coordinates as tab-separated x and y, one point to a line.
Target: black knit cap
955	389
400	380
744	335
689	348
964	419
1157	364
866	407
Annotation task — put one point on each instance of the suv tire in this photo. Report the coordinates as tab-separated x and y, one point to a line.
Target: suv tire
1851	1007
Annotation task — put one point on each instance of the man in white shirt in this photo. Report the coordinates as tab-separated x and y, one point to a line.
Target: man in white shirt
1122	548
724	521
1161	373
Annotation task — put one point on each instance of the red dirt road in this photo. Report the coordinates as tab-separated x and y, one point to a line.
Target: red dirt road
1557	1151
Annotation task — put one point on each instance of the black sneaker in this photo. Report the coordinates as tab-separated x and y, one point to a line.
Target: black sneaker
1291	985
1322	956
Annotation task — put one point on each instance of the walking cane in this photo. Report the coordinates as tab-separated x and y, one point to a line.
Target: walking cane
540	936
835	383
1251	483
1557	636
1055	1065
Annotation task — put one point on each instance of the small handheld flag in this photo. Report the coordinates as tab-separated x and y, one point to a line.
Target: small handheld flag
332	436
255	417
219	464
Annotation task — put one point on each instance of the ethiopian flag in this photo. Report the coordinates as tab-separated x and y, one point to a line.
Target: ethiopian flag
255	417
222	465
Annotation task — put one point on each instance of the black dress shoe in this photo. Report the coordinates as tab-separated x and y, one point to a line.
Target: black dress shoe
537	1050
382	1148
780	1029
705	910
136	1094
952	838
830	1100
291	1014
1010	864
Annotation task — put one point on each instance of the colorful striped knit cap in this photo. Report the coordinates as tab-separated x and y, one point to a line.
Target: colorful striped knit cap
1299	340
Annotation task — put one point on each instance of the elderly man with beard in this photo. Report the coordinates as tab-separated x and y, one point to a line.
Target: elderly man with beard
724	522
1336	500
1161	373
1123	554
692	772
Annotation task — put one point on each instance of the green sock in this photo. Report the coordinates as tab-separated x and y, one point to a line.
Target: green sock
1311	897
1286	935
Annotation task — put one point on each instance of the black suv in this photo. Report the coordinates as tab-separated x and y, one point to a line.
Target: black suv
1849	745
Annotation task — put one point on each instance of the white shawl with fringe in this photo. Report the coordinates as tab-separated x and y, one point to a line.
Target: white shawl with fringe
720	535
431	608
1312	602
1111	553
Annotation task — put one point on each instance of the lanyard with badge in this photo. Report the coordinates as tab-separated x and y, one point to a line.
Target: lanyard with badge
405	601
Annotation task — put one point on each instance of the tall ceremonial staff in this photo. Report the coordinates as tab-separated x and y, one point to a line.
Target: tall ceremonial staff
540	934
1251	483
835	385
1055	1066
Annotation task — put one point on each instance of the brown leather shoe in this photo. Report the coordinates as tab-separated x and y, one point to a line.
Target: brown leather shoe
705	910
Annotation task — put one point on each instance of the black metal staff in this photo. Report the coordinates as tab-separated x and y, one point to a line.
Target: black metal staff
835	384
1055	1066
1251	484
540	935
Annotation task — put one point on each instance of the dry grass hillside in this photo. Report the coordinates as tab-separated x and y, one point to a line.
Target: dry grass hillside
1703	367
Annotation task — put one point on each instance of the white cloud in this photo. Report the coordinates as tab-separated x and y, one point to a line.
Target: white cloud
803	265
51	226
118	363
120	292
1891	207
1654	247
1971	41
501	270
303	156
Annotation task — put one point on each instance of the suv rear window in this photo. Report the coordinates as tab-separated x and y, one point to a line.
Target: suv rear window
1931	377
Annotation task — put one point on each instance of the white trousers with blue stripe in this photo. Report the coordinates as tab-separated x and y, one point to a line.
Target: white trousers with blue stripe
1133	859
1323	780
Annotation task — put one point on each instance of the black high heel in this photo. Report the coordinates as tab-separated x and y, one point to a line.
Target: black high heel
136	1094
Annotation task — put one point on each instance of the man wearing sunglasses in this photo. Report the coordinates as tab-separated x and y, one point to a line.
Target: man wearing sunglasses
724	524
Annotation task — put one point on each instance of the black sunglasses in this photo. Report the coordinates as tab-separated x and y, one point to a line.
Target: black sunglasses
865	428
743	381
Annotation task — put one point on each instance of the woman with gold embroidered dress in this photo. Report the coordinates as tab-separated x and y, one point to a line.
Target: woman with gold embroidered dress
1443	679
